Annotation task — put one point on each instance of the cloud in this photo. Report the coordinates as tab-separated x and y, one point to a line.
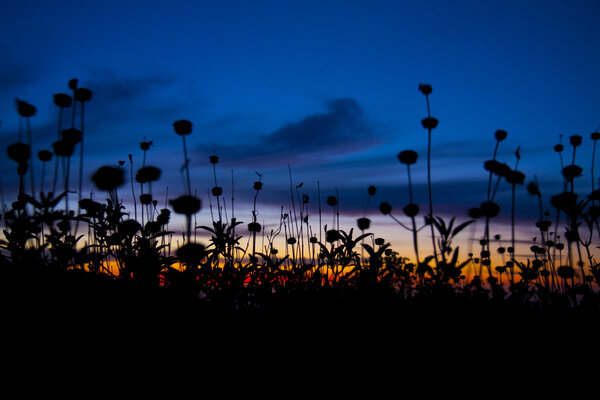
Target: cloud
342	129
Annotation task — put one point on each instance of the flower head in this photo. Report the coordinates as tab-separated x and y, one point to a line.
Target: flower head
108	178
411	209
332	201
490	209
363	223
372	190
145	145
429	123
71	135
18	152
147	174
217	191
595	136
558	148
257	185
44	155
575	140
425	88
63	148
254	227
25	109
571	172
186	204
500	135
62	100
182	127
213	159
191	253
385	208
407	157
83	94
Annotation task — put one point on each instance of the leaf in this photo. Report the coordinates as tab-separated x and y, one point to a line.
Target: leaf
461	227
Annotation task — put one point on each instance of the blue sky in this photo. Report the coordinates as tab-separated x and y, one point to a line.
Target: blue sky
328	88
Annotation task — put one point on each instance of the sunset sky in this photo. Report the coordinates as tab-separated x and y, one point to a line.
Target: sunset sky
328	88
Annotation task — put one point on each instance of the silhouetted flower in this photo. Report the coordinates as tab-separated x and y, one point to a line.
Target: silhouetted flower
146	198
379	241
73	84
543	225
363	223
515	177
565	272
490	209
18	152
129	227
407	157
411	209
429	123
575	140
191	253
44	155
385	208
559	148
254	227
291	240
564	201
332	235
163	217
425	88
313	240
63	148
64	225
500	135
214	159
108	178
186	204
92	207
217	191
595	136
572	171
475	212
145	145
71	135
332	201
533	189
25	109
257	185
83	94
372	190
62	100
147	174
182	127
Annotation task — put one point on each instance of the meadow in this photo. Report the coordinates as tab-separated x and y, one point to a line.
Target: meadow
89	255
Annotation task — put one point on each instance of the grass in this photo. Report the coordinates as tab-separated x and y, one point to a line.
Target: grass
99	259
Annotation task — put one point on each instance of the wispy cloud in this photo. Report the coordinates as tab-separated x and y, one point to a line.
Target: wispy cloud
342	129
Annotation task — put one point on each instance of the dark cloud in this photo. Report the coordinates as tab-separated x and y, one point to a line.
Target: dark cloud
343	129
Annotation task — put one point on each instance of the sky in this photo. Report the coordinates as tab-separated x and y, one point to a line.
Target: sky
318	96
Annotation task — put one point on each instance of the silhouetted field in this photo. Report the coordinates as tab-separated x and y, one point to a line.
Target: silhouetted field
66	257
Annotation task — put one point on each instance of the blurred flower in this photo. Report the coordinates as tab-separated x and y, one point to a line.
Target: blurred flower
500	135
564	201
558	148
575	140
385	208
186	204
533	189
148	174
332	201
182	127
191	253
490	209
83	94
25	109
515	177
565	272
18	152
372	190
313	240
214	159
429	123
291	240
332	235
164	216
257	185
129	227
407	157
73	84
254	227
217	191
62	100
572	171
379	241
595	136
543	225
411	209
71	135
108	178
425	88
475	212
363	223
145	145
146	198
44	155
